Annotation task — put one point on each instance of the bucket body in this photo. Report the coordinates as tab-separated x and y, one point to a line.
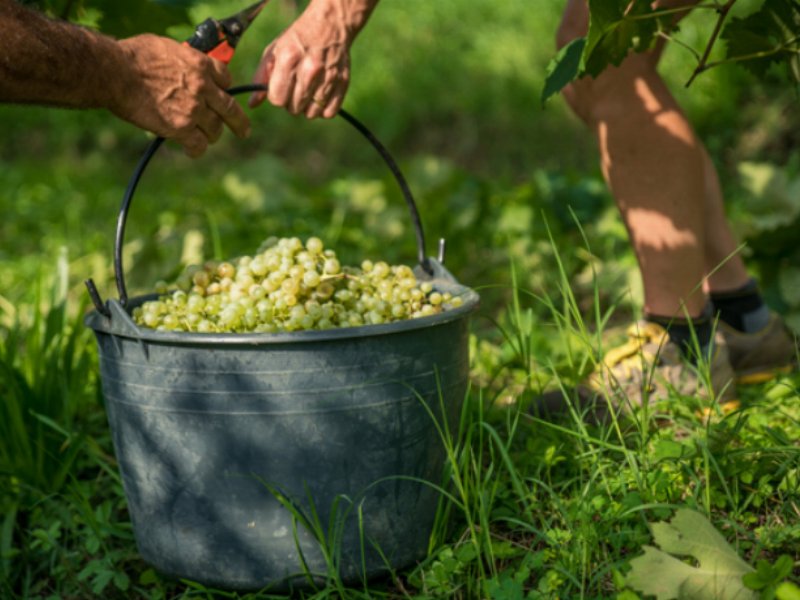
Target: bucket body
246	457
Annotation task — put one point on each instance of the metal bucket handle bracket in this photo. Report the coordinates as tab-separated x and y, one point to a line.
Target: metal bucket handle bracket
426	266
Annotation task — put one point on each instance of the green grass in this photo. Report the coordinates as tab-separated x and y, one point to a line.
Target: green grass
46	382
531	508
535	508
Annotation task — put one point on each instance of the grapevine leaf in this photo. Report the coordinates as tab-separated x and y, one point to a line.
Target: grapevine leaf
658	574
564	68
690	533
615	28
117	18
772	26
123	19
744	40
604	18
642	25
719	569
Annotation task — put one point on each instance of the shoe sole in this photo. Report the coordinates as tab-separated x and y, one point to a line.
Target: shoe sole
763	375
725	408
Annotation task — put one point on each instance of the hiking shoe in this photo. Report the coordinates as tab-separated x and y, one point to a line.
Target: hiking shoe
760	356
649	367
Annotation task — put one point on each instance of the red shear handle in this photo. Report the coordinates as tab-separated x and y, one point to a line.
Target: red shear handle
223	52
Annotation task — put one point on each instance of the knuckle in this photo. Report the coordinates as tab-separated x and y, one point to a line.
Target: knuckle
290	53
198	60
183	123
311	67
197	84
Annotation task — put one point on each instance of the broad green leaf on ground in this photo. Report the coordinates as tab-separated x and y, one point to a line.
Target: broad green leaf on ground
564	68
772	26
717	575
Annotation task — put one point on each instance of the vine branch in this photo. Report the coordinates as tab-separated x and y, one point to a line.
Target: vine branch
785	47
679	42
703	64
665	12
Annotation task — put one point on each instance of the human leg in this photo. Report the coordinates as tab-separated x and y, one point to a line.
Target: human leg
655	167
659	174
668	193
723	263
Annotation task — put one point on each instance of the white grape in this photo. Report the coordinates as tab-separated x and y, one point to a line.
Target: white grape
314	245
290	286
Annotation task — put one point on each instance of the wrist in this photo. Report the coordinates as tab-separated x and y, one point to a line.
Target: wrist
349	15
103	86
130	63
121	82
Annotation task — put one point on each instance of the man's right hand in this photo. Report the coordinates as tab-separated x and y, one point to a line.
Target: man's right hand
307	68
175	92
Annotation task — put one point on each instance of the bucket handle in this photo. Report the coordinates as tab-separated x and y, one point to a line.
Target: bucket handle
150	151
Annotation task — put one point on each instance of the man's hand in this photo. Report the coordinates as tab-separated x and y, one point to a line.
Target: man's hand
176	92
150	81
307	68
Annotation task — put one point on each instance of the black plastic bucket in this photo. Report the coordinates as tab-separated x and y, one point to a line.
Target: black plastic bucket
250	459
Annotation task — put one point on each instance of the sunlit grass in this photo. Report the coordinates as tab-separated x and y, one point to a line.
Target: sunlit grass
546	506
533	506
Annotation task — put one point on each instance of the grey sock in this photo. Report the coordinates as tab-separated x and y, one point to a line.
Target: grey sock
755	320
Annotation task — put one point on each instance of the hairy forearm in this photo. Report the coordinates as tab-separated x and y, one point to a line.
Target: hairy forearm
43	61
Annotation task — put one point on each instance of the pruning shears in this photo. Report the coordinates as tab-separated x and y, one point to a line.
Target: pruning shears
218	37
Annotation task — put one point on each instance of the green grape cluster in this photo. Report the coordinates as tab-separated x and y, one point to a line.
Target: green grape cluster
290	286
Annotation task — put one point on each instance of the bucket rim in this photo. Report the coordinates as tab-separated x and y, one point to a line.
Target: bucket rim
120	324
